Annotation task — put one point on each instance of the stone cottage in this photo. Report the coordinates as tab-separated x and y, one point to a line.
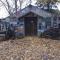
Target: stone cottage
33	20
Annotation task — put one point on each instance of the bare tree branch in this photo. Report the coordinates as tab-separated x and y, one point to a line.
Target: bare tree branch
4	5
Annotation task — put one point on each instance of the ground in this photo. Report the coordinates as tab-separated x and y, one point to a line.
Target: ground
30	48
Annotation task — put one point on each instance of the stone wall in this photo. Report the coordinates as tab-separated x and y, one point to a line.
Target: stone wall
43	24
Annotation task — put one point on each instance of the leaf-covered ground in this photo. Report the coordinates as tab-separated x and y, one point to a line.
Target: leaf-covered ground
30	48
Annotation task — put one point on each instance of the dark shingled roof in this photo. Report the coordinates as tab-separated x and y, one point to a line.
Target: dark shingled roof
35	10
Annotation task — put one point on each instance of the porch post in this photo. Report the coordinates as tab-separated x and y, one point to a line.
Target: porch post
24	26
51	21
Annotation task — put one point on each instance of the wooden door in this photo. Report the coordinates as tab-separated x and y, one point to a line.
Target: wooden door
31	26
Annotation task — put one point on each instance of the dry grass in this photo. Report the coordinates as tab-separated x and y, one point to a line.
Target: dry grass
30	48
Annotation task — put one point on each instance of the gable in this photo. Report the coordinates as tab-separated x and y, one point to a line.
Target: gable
35	10
30	14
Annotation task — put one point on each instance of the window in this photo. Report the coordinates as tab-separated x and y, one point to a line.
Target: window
55	21
48	22
42	25
39	25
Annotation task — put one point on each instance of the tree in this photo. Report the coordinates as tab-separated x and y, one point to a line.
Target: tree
8	7
21	2
3	4
48	3
11	5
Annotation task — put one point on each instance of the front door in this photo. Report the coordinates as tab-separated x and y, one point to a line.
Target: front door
30	26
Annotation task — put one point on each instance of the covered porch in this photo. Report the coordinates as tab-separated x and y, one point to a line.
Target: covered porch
34	24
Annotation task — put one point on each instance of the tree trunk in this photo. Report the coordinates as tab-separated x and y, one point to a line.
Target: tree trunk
16	6
48	6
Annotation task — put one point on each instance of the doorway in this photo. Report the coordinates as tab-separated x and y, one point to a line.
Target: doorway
30	26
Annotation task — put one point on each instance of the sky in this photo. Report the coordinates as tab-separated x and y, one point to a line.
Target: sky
4	13
59	6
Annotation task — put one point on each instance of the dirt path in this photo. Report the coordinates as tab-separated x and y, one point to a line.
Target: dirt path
30	48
